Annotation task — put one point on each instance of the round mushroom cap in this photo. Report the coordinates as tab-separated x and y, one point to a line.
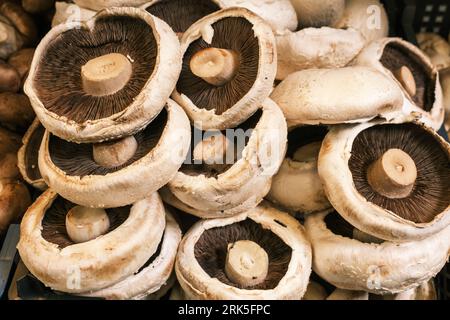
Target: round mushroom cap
14	201
252	44
48	252
72	170
80	109
313	13
380	268
70	12
330	96
98	5
346	159
420	88
316	48
203	277
239	184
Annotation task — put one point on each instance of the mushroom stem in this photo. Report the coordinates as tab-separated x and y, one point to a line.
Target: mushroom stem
214	65
393	175
212	149
247	264
406	79
115	153
107	74
84	224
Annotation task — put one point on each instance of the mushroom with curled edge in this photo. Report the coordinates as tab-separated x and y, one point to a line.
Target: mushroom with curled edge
296	186
218	184
102	248
260	254
113	79
120	172
379	267
413	73
229	66
389	180
331	96
312	13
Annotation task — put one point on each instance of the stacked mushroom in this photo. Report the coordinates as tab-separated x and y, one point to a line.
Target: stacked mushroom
111	137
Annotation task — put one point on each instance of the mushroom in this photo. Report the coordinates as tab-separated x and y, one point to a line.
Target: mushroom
119	172
106	258
414	74
9	78
70	12
10	39
330	96
21	21
27	158
296	186
21	61
220	258
229	66
312	13
113	79
211	191
37	6
381	268
14	200
389	180
436	48
16	112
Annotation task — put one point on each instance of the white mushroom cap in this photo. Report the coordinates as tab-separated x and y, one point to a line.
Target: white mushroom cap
313	13
197	284
330	96
70	12
95	264
377	268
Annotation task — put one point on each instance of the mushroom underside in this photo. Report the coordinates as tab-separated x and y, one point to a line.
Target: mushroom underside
32	154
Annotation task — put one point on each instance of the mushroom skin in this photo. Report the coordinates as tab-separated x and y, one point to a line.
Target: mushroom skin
444	77
385	268
261	87
129	184
432	44
244	185
371	56
312	13
145	106
70	12
198	285
99	263
339	187
14	201
320	96
10	40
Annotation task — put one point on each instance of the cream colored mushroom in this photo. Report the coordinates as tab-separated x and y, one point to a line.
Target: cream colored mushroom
311	13
70	12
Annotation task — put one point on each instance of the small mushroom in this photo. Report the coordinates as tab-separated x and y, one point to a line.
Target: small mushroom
414	74
70	12
10	39
9	78
37	6
113	79
16	112
119	172
312	13
21	61
229	66
224	189
389	180
330	96
220	258
105	259
380	268
22	21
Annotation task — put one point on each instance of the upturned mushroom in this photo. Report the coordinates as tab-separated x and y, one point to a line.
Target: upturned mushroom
229	67
312	13
260	254
388	180
119	172
113	79
330	96
379	267
75	249
296	186
414	74
241	177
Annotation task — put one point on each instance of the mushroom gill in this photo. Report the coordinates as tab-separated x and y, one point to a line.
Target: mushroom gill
130	37
236	35
395	57
212	247
32	153
430	194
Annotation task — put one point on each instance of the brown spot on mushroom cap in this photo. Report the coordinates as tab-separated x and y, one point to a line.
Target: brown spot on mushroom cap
32	153
431	192
229	33
66	54
181	14
211	250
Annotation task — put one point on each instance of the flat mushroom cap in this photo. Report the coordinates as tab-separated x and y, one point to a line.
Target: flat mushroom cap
71	170
200	260
27	157
154	275
316	48
55	260
243	185
347	154
330	96
95	115
98	5
252	43
388	55
382	268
